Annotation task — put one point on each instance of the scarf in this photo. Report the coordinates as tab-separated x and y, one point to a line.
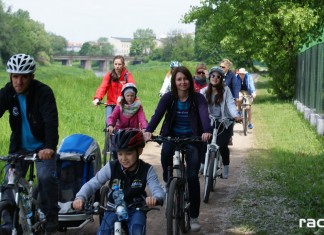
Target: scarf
130	109
201	81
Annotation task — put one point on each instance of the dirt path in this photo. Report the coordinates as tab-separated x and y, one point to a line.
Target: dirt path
214	215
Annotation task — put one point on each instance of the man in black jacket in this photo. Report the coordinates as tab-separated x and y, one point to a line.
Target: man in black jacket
34	124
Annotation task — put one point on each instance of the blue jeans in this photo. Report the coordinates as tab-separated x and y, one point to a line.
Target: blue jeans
136	223
193	165
108	110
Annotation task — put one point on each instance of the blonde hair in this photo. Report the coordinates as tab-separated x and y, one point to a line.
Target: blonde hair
227	62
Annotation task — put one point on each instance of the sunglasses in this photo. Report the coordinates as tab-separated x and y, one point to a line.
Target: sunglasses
200	72
216	76
223	67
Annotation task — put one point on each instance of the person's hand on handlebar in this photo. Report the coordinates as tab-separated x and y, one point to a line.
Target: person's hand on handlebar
238	119
46	154
150	201
206	136
95	102
147	136
110	129
77	204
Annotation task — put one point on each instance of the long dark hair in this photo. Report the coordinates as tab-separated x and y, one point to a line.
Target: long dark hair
113	74
188	76
220	92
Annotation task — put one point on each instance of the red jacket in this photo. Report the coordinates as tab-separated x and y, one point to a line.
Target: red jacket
111	88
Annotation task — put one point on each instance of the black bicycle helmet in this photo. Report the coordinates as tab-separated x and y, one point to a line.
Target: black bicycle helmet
21	64
127	139
218	70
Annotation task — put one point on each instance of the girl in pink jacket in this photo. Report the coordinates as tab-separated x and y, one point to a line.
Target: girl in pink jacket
129	113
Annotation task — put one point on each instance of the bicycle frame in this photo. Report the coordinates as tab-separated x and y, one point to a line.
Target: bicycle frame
245	107
26	216
177	206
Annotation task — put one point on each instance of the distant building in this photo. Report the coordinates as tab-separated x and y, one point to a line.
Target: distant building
121	45
74	46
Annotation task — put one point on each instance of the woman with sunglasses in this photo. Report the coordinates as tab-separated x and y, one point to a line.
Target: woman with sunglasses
222	106
200	77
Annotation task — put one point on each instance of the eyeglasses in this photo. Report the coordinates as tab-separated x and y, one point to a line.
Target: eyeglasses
200	72
216	76
223	67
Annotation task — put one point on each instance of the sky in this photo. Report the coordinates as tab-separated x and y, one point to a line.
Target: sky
81	21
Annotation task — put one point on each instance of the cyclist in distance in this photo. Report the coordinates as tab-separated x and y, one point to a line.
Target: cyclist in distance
112	84
128	114
33	119
248	90
132	175
186	115
230	81
221	105
166	86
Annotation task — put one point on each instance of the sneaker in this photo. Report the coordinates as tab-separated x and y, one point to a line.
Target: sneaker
201	170
194	225
250	126
230	142
225	171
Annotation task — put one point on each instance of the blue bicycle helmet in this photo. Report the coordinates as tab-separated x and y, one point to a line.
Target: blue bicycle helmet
174	64
218	70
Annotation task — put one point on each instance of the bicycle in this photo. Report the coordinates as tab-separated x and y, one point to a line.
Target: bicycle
244	107
24	211
120	226
177	205
106	151
213	162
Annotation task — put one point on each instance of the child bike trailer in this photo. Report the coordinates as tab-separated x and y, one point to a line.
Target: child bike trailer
79	159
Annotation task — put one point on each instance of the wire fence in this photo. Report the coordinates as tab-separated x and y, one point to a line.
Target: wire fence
310	78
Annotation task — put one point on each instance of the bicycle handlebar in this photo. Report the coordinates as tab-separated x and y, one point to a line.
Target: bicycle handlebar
15	157
176	141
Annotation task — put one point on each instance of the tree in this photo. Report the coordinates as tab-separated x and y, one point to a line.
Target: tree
143	42
58	44
270	31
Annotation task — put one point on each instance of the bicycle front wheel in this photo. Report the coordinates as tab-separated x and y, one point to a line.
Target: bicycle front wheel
209	177
7	210
245	121
173	208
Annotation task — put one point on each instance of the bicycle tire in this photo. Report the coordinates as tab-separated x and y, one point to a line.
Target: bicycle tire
173	208
106	149
217	169
209	177
185	213
103	201
245	121
34	207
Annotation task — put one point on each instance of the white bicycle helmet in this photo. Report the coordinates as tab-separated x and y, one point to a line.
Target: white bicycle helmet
21	64
174	64
129	86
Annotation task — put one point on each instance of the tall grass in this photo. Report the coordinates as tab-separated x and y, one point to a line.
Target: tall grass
286	170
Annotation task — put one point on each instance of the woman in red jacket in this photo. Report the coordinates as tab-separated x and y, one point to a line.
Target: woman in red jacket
112	84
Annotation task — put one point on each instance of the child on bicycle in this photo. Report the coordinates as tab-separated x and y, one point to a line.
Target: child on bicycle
128	114
186	115
132	175
221	105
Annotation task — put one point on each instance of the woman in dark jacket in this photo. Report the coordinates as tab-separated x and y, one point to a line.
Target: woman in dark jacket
186	115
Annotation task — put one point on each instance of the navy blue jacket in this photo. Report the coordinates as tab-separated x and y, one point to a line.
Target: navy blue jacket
233	84
198	114
41	113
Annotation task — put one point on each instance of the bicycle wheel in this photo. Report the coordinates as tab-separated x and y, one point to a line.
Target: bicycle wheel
103	201
184	209
209	177
217	169
8	208
106	149
245	121
173	208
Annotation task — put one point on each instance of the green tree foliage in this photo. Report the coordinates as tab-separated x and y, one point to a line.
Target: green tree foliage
20	34
58	44
270	31
100	48
143	42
